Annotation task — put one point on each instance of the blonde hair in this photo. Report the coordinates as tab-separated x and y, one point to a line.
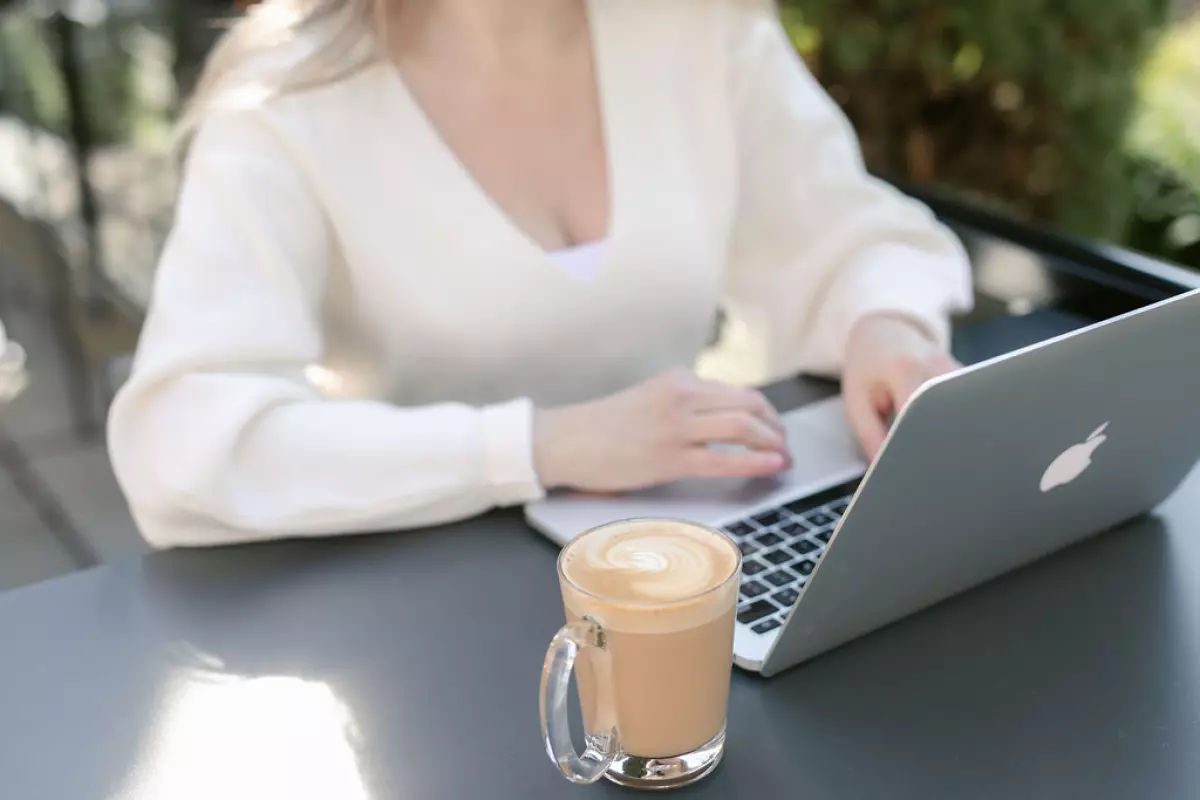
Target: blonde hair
346	36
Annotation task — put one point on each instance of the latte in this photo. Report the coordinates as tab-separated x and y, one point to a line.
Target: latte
665	594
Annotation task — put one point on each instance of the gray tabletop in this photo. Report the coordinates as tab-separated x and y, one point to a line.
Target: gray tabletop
406	666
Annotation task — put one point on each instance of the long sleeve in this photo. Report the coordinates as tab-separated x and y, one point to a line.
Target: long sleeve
219	437
818	242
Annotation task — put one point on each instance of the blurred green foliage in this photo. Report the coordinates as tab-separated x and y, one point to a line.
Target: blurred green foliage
31	84
1165	142
31	79
1166	216
1167	126
1020	104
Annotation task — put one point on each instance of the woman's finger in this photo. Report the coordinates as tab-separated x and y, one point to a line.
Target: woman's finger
704	462
943	363
865	418
761	407
901	384
734	427
713	396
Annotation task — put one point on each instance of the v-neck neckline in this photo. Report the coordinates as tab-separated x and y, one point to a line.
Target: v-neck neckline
602	78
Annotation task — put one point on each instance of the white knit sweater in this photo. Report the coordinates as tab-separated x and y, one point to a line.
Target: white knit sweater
347	335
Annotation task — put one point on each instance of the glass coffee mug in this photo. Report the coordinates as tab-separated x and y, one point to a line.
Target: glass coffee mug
650	608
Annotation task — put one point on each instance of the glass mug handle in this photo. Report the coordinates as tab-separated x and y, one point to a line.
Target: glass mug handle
602	747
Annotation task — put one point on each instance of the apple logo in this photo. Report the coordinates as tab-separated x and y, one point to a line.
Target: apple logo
1072	463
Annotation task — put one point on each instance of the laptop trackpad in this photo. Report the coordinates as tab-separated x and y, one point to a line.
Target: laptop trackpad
823	449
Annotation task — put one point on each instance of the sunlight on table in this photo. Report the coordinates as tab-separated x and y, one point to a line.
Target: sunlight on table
234	739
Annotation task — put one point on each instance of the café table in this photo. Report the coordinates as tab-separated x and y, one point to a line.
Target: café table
406	665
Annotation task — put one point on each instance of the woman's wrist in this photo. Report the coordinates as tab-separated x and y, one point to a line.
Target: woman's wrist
549	433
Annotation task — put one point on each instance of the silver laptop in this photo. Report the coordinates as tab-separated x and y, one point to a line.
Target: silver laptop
984	470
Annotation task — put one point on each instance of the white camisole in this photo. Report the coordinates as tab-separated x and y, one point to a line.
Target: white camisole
581	261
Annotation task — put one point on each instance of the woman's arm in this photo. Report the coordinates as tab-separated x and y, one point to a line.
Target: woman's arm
819	244
218	437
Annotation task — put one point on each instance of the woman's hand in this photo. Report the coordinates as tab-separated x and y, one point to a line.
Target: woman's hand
656	432
887	360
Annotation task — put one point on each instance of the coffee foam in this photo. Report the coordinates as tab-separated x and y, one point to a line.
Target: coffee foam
650	575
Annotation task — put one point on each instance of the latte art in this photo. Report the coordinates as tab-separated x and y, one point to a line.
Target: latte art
664	592
651	562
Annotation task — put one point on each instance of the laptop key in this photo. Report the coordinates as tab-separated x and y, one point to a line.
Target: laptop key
838	507
786	598
793	528
766	626
767	518
778	556
806	567
825	535
753	589
739	529
780	577
756	611
768	539
819	519
752	567
748	548
799	506
803	547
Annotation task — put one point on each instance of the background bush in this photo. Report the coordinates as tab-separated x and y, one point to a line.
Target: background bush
1165	145
31	82
1023	105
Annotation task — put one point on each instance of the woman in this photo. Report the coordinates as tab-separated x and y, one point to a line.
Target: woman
437	256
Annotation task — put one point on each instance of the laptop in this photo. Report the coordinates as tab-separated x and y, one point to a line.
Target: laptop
984	470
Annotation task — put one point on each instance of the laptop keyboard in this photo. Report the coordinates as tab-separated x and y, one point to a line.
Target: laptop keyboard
780	549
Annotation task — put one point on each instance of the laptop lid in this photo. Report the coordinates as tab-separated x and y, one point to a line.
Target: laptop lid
1004	462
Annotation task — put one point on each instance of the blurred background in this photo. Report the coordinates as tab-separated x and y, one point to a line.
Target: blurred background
1078	116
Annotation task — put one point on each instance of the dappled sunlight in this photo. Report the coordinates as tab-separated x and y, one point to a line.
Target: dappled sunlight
217	736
